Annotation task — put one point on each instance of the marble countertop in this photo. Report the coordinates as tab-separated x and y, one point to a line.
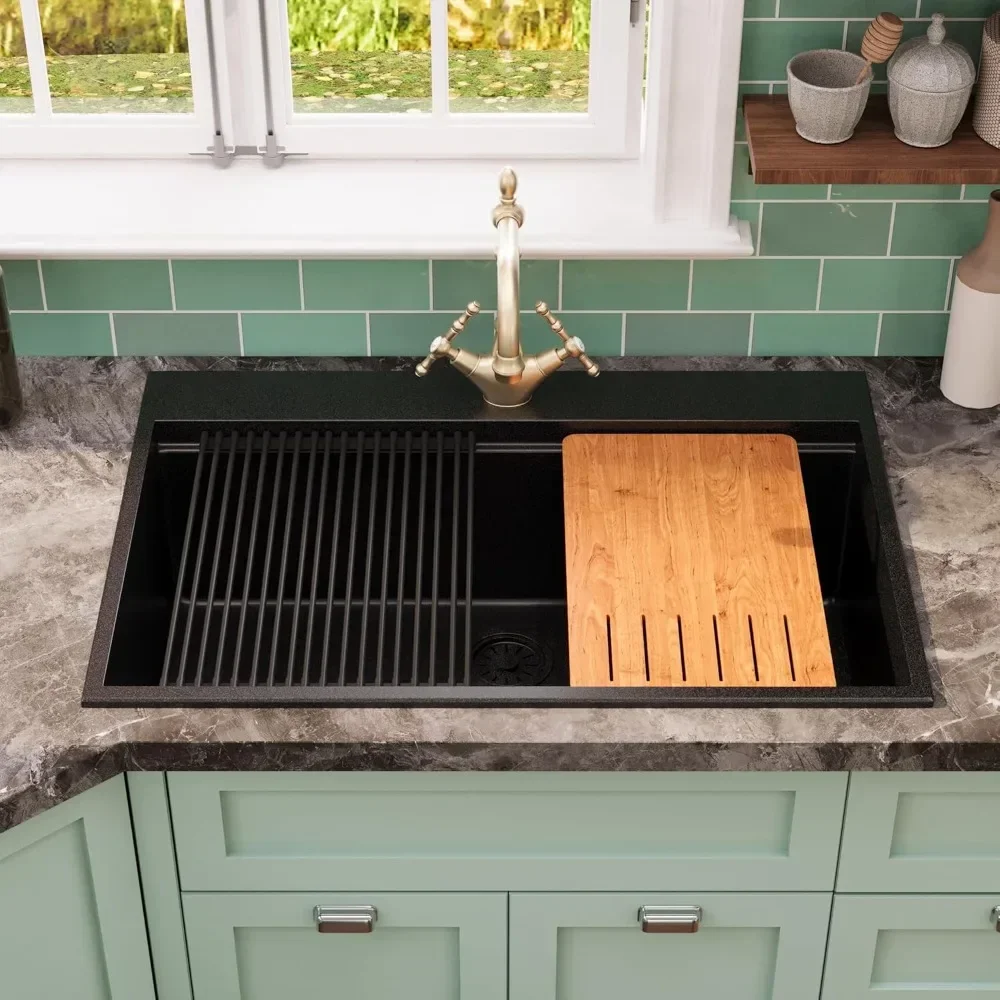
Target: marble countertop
62	469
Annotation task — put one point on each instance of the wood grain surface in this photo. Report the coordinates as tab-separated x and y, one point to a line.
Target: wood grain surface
689	561
779	155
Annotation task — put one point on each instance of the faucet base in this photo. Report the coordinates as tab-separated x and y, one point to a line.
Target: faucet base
506	406
478	369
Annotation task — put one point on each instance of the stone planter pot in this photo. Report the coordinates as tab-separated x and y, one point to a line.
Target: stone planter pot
826	102
930	81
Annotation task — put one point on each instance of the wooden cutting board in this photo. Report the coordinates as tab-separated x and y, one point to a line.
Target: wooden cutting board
689	561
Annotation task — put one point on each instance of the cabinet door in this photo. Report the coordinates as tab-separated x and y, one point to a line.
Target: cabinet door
71	918
591	946
921	832
422	946
913	948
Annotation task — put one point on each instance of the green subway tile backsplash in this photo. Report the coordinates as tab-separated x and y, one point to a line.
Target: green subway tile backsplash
767	47
176	333
40	334
895	192
22	284
625	284
914	335
290	334
687	333
886	284
236	284
937	229
366	284
826	278
107	284
755	284
866	9
814	333
826	229
964	8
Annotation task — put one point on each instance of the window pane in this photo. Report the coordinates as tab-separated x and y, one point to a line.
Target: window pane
518	55
15	83
360	55
117	55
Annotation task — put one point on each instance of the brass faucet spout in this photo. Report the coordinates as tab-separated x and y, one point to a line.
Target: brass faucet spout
507	360
506	377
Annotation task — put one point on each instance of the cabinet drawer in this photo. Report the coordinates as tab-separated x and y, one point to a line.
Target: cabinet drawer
421	831
590	946
921	833
913	948
422	946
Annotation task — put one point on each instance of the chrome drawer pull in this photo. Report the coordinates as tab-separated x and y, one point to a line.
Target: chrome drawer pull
345	919
670	919
995	917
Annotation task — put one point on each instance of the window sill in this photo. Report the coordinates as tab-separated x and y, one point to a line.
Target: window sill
107	208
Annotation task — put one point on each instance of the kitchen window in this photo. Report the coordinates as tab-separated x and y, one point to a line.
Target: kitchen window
454	78
81	79
389	120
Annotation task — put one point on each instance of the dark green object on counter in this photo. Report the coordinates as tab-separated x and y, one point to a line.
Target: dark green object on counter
11	401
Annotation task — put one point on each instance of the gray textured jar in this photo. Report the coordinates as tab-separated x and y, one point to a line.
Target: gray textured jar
930	80
826	102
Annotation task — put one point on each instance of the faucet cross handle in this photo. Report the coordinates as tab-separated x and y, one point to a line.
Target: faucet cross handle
573	346
441	346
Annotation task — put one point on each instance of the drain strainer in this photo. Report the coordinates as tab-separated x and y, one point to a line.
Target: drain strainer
510	658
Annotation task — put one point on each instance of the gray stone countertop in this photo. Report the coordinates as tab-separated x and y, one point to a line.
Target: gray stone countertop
62	470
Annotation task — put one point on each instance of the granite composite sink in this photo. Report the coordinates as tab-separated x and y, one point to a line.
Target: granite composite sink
372	539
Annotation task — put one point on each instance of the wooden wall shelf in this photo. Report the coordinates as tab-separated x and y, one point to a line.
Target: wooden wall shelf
779	155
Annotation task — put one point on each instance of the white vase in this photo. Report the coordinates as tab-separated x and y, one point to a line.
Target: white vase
971	372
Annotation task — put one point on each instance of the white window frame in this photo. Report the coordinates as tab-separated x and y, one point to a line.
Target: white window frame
608	128
44	133
670	199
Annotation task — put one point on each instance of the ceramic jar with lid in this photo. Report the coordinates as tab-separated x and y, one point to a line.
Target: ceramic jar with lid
930	80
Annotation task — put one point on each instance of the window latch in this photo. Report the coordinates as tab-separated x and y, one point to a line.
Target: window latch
222	155
271	153
635	11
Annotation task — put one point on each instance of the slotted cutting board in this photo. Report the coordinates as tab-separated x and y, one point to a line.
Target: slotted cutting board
689	561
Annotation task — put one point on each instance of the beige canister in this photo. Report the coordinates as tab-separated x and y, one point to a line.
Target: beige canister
986	117
971	372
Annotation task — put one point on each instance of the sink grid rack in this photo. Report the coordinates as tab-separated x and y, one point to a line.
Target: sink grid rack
324	558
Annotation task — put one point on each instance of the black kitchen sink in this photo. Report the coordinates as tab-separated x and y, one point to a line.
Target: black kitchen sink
371	539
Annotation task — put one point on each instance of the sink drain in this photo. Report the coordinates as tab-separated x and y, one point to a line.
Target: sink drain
510	658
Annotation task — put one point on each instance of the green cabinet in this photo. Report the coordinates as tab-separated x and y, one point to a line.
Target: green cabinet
506	832
592	946
921	833
71	916
472	880
911	947
422	946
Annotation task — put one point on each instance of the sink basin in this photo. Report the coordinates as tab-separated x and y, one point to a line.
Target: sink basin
356	539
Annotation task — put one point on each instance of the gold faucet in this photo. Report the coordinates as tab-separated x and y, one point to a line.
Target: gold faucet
505	376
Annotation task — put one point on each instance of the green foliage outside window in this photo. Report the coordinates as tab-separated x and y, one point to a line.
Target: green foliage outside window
103	27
